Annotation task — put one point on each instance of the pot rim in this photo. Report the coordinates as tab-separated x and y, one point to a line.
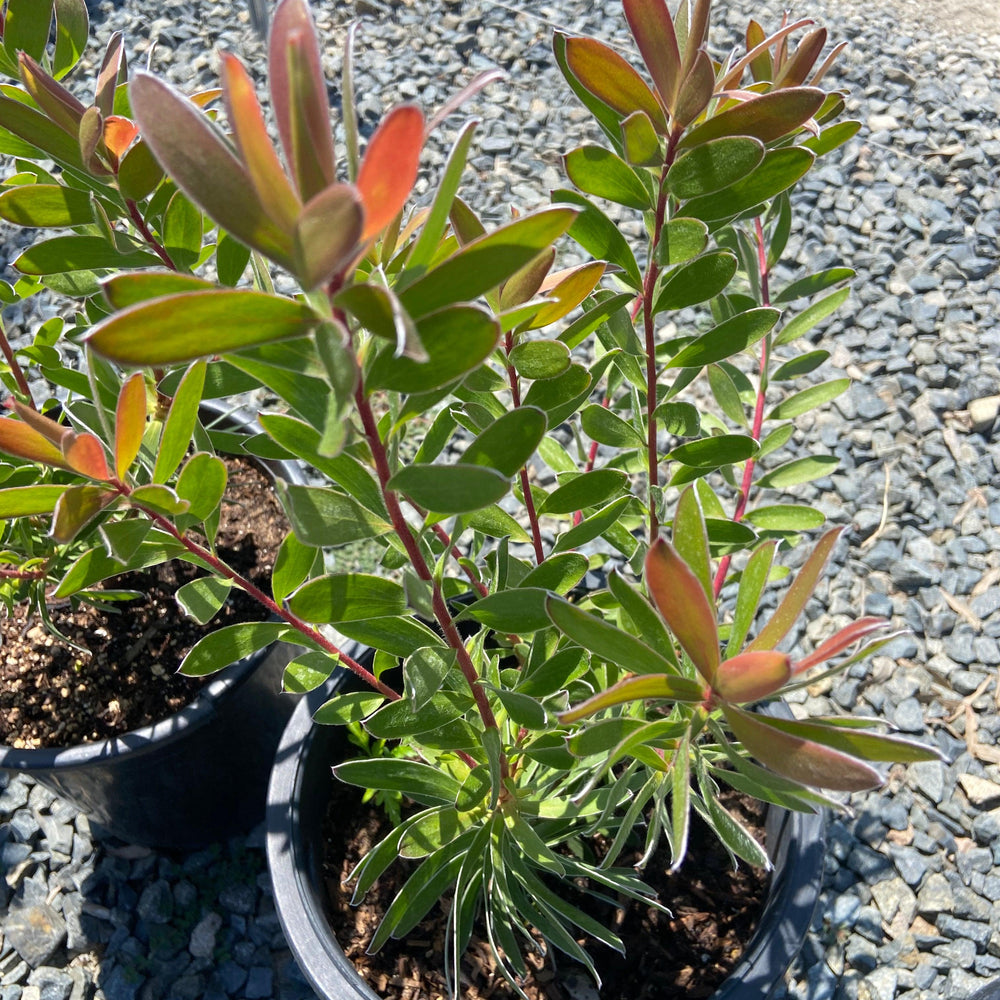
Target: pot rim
799	839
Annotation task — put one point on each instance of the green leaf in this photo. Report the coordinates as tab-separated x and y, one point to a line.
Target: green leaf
779	170
730	830
202	483
606	641
641	144
227	645
341	597
124	290
714	166
559	573
76	508
752	583
522	709
599	172
38	131
139	173
496	523
400	719
306	673
810	317
596	524
808	399
427	785
766	117
424	672
484	263
600	236
711	452
231	259
456	340
178	428
78	253
322	516
726	394
802	365
696	281
540	359
558	395
343	709
681	240
159	498
799	470
786	517
587	489
26	27
833	137
727	339
813	284
195	324
201	599
605	427
43	206
396	636
581	328
679	419
182	230
72	31
646	621
639	688
450	489
521	610
690	538
292	566
25	501
508	443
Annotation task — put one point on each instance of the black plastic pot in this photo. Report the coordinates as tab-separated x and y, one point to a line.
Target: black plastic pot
196	777
296	803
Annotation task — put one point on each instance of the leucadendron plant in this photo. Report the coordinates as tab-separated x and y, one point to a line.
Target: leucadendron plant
430	369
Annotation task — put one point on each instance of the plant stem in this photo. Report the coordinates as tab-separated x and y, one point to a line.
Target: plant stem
22	574
219	567
419	562
529	500
456	554
154	244
758	414
15	367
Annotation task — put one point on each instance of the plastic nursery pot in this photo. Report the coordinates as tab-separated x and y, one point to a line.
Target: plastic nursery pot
296	803
198	776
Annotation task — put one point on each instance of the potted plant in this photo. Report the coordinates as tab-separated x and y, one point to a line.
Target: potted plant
90	456
492	439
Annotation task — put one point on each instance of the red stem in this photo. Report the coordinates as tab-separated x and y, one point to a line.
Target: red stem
15	368
529	500
758	414
140	223
22	574
456	554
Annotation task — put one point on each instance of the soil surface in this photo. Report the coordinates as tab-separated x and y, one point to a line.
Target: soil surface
54	696
714	910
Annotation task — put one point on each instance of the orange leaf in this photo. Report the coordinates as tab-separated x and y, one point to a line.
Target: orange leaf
22	441
54	432
85	454
255	146
389	168
678	594
118	135
76	508
130	422
751	676
569	288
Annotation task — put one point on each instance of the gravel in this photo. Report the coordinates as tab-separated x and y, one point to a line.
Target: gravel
914	203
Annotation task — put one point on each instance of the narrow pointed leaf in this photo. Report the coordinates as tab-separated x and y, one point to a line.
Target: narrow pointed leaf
256	150
808	318
567	289
650	686
35	128
52	97
107	76
767	117
610	643
798	594
606	75
227	645
697	32
653	30
423	783
680	598
22	441
786	517
816	395
690	538
799	470
728	338
328	233
837	643
205	168
191	325
299	98
389	167
799	66
715	451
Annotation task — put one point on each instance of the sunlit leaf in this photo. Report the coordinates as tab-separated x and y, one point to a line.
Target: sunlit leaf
713	166
600	236
389	167
799	470
647	686
72	31
728	338
508	443
327	233
599	172
696	90
41	206
808	318
201	599
347	597
25	501
697	281
641	143
76	508
767	117
451	489
653	30
750	676
130	422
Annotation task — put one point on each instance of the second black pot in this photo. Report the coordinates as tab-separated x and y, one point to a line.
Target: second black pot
296	804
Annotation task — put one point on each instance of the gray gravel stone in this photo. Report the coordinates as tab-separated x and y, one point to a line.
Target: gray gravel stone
36	931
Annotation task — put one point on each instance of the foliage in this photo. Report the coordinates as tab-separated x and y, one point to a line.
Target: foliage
425	367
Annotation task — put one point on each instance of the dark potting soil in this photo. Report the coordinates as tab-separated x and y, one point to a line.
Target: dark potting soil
53	695
689	953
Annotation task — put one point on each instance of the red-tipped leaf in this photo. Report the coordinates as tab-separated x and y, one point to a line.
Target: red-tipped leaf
760	49
653	30
259	155
797	595
797	68
633	689
107	77
52	97
76	508
696	90
749	677
84	453
800	759
612	80
22	441
681	600
846	637
298	97
204	167
389	167
53	432
130	422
